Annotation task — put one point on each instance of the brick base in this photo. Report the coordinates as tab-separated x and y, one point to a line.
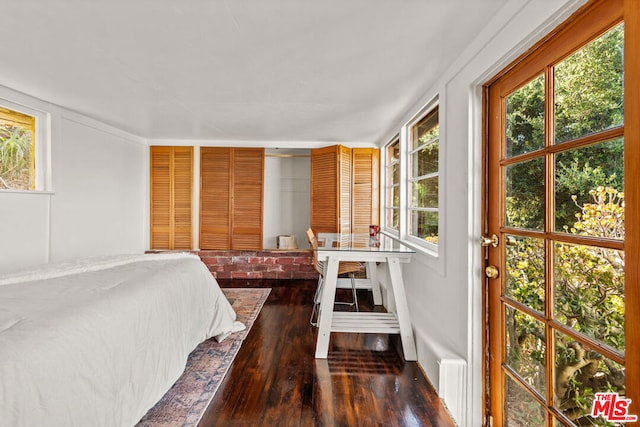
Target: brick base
265	264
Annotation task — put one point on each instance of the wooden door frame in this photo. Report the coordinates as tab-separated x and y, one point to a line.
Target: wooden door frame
629	11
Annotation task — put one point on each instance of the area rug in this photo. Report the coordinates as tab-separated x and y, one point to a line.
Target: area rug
185	403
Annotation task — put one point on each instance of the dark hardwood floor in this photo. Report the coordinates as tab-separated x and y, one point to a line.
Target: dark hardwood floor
276	381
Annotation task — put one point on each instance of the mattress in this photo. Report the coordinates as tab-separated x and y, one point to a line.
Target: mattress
98	342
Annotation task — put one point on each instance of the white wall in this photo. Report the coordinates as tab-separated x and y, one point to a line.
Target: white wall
95	203
100	185
445	292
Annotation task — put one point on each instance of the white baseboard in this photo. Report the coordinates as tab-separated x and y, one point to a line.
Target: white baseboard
448	374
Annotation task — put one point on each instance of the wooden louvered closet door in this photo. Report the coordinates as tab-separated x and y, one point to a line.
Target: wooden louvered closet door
344	189
231	198
215	198
365	189
324	189
171	193
248	166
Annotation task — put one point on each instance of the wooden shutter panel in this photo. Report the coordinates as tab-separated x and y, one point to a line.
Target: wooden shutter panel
231	198
344	186
324	189
344	189
171	192
182	194
248	167
215	198
160	197
365	194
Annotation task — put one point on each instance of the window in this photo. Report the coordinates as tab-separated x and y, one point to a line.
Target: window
423	177
17	150
412	173
392	185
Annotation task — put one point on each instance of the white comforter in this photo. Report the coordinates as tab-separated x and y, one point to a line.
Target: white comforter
99	343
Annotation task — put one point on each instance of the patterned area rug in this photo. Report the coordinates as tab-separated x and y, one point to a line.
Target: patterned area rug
186	401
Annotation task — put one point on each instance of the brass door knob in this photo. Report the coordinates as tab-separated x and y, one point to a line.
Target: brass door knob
491	271
489	241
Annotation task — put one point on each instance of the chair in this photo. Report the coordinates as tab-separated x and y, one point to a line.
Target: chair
343	268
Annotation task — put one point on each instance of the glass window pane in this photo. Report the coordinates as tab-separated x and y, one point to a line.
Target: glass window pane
580	373
526	349
16	150
522	410
525	118
525	195
424	224
395	173
393	152
525	281
589	190
425	160
426	130
392	218
588	88
589	291
393	196
425	193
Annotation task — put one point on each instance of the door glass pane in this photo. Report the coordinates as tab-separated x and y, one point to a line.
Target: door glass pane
588	88
525	271
524	202
525	118
589	291
522	410
525	346
580	373
589	190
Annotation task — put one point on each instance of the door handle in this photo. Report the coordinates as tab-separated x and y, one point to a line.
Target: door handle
489	240
491	271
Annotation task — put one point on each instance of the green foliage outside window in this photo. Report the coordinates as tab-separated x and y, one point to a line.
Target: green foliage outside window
15	157
588	185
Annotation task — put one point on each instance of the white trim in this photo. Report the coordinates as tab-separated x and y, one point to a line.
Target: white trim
78	118
257	143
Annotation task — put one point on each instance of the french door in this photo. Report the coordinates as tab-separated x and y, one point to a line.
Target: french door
562	226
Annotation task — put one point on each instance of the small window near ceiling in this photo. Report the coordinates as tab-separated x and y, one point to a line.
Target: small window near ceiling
424	140
17	150
392	185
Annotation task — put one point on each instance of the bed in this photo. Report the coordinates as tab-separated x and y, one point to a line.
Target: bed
99	341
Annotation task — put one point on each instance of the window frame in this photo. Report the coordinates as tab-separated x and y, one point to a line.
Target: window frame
389	184
403	232
41	145
412	179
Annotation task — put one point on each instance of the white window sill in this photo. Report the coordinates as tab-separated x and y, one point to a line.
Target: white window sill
40	192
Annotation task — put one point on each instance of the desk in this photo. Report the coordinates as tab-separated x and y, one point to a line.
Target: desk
356	248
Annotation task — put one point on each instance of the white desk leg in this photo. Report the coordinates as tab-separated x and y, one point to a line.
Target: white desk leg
325	316
402	309
372	275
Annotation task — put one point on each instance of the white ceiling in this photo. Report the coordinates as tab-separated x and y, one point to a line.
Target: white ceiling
237	70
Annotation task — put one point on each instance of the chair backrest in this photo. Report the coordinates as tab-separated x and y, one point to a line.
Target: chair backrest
313	241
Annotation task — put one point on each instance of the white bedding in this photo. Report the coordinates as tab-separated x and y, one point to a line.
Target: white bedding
99	343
